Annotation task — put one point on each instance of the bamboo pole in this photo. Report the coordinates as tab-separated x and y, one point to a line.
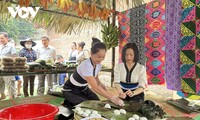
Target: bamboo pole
113	49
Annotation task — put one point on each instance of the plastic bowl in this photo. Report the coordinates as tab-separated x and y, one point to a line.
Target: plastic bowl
29	112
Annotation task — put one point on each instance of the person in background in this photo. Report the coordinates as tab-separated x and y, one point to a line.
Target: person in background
7	50
130	76
73	53
13	43
30	54
61	76
19	85
17	78
81	56
76	89
46	53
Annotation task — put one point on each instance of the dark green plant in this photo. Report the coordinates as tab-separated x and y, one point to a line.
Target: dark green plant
17	28
110	35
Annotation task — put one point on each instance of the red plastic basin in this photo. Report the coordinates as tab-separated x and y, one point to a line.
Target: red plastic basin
29	112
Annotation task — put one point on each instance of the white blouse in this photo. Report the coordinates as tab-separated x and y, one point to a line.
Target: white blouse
72	54
138	74
86	69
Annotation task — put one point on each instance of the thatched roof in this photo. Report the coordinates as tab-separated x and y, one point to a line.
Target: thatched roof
68	19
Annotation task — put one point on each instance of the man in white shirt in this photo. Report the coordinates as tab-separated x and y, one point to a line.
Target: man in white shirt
46	53
7	49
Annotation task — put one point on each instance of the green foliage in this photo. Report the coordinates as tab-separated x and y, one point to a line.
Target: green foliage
110	35
17	28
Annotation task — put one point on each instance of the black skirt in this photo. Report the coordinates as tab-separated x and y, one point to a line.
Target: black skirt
75	94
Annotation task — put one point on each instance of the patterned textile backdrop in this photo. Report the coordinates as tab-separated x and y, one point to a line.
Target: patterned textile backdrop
137	31
188	95
190	47
124	26
154	41
132	25
172	44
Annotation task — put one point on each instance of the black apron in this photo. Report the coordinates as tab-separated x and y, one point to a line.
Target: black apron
76	94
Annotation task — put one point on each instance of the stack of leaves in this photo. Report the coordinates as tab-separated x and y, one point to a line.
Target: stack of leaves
151	111
46	65
20	64
185	105
17	64
59	67
7	64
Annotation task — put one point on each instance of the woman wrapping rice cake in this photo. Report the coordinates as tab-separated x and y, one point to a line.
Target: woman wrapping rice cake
130	76
76	89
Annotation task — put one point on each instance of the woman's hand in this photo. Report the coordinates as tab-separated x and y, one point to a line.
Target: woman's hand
122	95
130	93
117	101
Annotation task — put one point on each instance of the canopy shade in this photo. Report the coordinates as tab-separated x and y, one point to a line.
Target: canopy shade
68	19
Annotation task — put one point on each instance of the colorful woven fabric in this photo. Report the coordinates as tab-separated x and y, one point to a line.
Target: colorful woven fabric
190	47
154	41
137	31
132	28
188	95
124	26
172	43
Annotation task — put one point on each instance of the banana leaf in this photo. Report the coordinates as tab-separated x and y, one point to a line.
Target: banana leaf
105	112
129	106
92	104
109	114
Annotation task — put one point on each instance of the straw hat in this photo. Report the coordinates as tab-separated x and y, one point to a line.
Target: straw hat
22	42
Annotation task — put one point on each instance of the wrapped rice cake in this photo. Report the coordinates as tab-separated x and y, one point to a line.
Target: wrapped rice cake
7	67
20	59
7	59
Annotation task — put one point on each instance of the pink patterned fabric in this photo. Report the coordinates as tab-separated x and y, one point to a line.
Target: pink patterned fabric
124	26
154	37
154	41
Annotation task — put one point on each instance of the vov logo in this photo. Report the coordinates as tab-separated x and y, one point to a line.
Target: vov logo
23	12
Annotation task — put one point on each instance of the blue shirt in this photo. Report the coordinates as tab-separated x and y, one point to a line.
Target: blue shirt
30	55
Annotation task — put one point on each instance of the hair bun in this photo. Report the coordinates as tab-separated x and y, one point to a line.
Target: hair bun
82	44
94	40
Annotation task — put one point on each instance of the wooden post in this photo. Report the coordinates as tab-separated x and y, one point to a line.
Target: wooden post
113	49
